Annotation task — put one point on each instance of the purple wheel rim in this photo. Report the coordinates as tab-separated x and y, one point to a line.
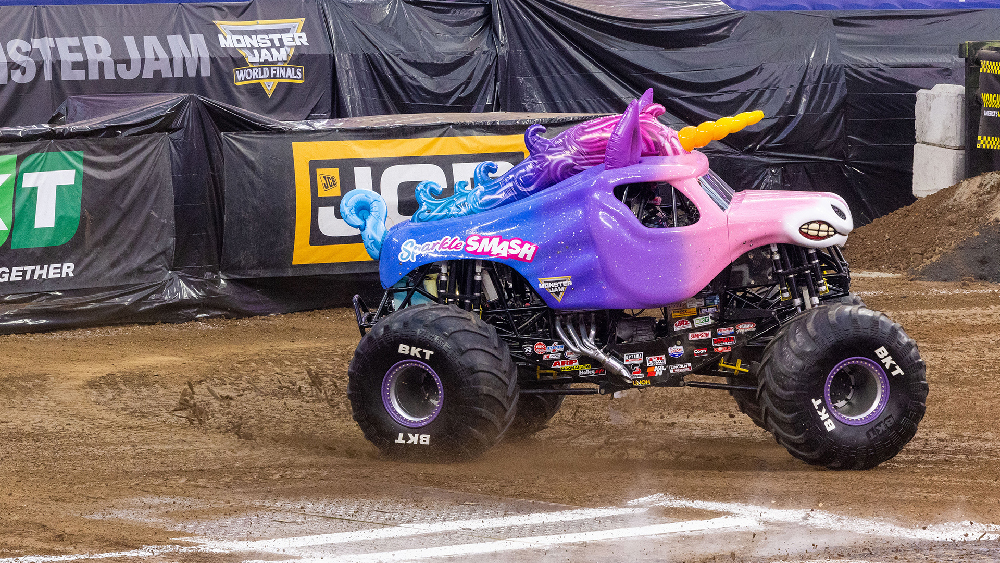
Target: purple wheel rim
856	391
412	393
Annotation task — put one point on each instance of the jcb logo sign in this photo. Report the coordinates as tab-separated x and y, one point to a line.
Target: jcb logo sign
40	203
326	170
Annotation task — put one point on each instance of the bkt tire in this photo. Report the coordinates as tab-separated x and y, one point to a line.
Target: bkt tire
533	414
432	382
842	386
747	402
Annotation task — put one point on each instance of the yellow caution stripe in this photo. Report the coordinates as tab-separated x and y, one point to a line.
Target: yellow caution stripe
991	67
988	143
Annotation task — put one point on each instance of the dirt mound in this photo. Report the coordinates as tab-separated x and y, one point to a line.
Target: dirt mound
951	235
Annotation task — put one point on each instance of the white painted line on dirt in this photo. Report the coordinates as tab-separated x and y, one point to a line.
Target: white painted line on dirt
148	551
864	274
951	531
281	545
414	529
538	542
826	561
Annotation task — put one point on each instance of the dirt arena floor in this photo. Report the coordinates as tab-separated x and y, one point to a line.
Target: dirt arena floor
222	409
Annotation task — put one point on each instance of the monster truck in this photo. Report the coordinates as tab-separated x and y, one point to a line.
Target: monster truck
613	258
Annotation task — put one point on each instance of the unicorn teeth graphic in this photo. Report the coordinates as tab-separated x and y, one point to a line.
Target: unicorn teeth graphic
615	140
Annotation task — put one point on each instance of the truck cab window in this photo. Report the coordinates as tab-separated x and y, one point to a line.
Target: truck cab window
658	204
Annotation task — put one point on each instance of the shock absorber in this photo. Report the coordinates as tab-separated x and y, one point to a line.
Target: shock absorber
477	287
821	286
779	273
786	271
810	293
443	283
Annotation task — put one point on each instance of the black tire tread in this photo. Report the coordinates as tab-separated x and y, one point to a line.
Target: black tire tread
780	388
490	375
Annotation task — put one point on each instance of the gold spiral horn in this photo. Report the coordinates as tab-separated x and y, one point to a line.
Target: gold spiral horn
696	137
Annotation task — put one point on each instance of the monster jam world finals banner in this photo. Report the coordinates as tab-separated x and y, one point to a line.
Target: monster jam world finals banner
272	58
283	191
79	214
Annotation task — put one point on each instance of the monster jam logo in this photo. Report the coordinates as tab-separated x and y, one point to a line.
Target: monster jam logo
557	286
267	46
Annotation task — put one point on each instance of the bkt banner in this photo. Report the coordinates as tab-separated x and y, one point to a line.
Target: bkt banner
270	58
283	191
85	213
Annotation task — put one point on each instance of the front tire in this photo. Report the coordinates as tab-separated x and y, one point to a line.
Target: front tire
432	382
842	386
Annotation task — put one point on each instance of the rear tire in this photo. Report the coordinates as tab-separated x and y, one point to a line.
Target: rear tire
533	414
842	386
748	404
432	382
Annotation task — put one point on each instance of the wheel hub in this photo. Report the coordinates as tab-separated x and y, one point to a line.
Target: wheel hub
856	391
412	393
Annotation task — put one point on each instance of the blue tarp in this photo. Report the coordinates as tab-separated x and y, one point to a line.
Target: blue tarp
862	4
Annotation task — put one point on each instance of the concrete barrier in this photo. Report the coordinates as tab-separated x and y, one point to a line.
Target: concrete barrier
939	154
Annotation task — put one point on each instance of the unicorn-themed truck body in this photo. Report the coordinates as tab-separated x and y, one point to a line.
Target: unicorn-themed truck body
613	258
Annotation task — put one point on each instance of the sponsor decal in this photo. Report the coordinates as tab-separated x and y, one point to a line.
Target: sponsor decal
570	354
267	47
886	359
675	351
700	352
702	321
636	372
556	286
678	313
559	348
326	170
712	301
699	335
417	439
499	247
680	368
724	341
723	349
823	415
588	371
46	193
412	250
744	328
656	360
540	348
36	272
633	358
496	247
682	324
577	367
564	363
641	382
654	371
528	350
415	352
555	356
724	331
708	310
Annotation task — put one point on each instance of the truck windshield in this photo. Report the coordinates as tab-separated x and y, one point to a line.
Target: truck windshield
717	189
